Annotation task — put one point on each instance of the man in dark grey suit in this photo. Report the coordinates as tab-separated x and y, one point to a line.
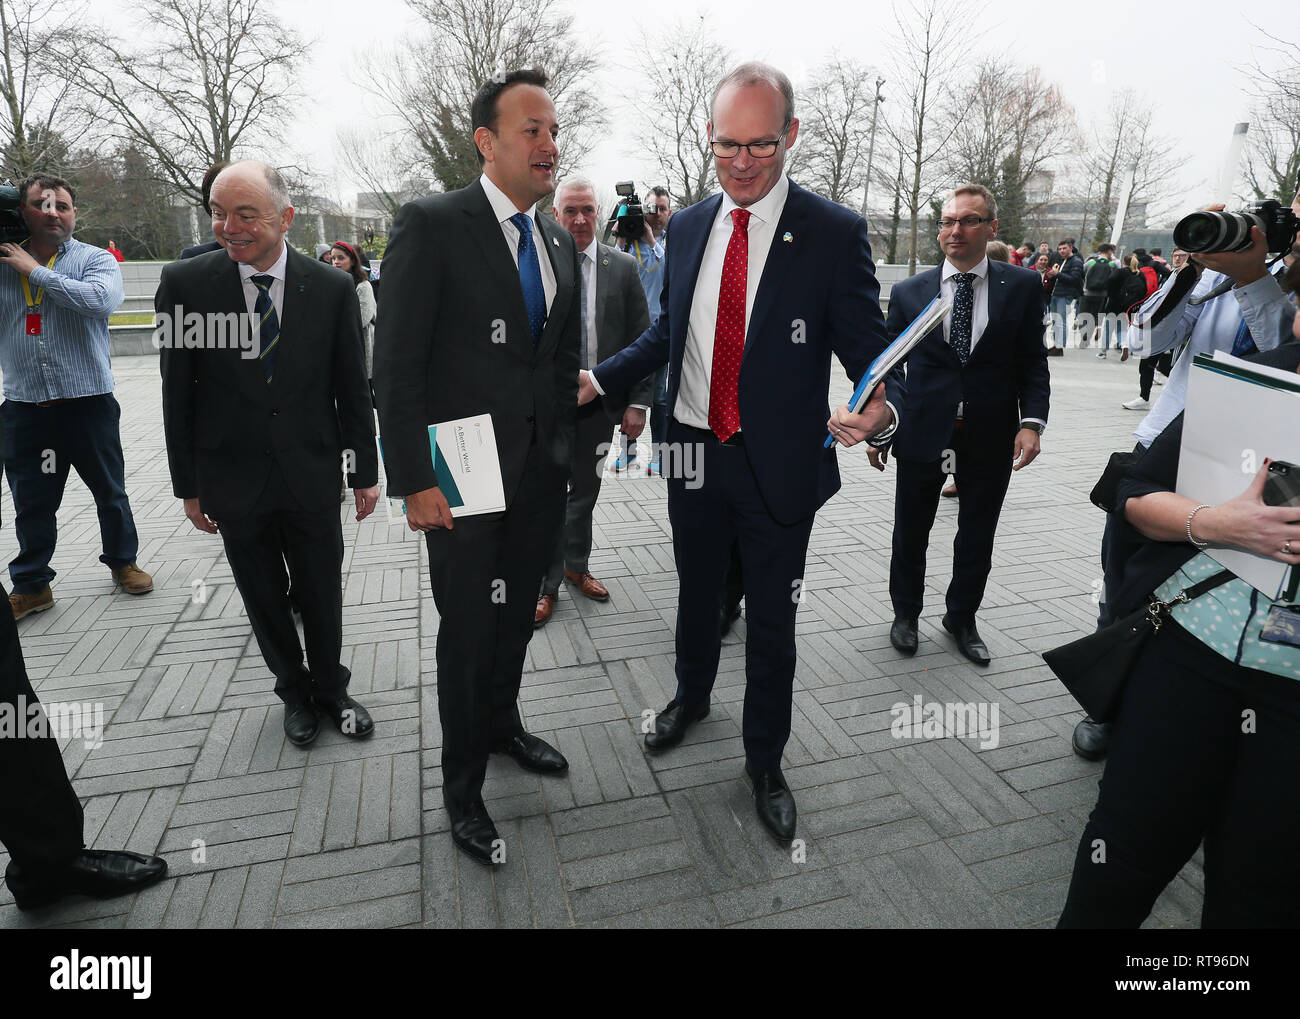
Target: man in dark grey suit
260	432
481	316
614	313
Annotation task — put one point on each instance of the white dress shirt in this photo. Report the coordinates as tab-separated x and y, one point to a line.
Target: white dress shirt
697	362
979	313
587	259
504	208
246	274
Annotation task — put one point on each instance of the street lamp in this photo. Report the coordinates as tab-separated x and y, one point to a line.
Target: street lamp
871	146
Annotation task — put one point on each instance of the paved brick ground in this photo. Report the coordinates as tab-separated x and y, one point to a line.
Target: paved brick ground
897	832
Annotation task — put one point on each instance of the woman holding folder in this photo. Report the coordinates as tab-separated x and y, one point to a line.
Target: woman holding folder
1206	744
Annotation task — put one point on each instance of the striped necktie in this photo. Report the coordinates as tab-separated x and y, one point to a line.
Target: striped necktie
268	324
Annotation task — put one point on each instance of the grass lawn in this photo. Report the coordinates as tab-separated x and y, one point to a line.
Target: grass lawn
132	318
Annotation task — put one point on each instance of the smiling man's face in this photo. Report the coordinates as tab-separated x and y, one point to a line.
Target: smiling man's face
520	155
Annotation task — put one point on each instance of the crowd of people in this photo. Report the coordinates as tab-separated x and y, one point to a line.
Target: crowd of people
491	308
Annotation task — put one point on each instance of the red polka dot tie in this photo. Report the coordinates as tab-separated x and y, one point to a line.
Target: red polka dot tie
729	334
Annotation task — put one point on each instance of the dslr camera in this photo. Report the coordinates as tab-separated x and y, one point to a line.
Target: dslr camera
13	228
1230	231
628	220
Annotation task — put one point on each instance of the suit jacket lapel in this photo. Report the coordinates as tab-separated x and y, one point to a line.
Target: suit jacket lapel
486	232
780	257
228	287
550	236
929	293
294	339
682	293
604	283
997	294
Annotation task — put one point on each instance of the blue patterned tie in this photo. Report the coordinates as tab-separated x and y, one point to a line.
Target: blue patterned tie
268	324
1243	344
963	311
530	276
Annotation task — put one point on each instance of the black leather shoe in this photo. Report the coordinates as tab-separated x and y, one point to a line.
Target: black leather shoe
672	723
350	717
94	872
1091	739
774	802
903	636
968	641
475	834
301	725
533	754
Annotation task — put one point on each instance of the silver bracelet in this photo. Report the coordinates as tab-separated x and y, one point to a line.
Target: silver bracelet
1198	544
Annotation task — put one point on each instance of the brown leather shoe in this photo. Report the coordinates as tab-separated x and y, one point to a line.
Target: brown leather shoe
588	585
950	492
26	604
133	579
545	608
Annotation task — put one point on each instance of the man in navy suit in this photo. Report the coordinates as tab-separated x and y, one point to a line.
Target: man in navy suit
766	282
977	395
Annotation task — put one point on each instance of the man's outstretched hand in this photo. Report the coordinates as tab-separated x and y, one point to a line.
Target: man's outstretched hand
586	391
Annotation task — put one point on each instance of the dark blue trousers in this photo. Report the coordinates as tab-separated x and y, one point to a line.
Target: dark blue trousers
41	445
720	506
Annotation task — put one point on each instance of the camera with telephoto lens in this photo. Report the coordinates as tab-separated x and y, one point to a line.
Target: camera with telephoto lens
13	228
629	216
1230	231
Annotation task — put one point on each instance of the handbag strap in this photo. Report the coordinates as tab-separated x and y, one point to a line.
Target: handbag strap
1195	591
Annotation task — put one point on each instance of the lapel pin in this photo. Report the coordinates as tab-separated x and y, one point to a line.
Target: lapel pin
555	241
604	261
788	237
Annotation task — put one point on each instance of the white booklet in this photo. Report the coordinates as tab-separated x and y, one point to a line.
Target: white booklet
468	469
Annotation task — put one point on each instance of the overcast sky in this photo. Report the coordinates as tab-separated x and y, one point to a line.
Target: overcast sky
1184	58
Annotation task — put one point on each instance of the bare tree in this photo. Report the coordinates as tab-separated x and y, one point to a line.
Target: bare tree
679	88
1015	125
1124	139
931	35
202	79
382	165
839	104
1274	138
430	80
40	45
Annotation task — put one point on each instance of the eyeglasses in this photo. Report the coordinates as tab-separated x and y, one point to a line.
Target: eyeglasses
758	150
966	222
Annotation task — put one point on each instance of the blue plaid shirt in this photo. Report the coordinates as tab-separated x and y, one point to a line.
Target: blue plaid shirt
70	357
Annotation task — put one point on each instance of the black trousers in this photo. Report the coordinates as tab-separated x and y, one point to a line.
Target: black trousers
484	574
1185	764
720	509
1147	371
40	815
278	531
590	447
982	471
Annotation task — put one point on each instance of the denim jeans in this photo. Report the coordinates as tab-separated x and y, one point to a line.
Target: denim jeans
1060	312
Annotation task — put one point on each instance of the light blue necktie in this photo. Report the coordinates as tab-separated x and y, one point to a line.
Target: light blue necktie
530	276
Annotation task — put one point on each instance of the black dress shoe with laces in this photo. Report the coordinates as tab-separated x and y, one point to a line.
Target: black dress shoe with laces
1091	739
773	802
903	636
301	725
671	724
95	872
474	833
533	754
350	717
968	641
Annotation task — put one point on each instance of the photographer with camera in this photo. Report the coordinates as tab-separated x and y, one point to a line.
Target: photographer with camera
1236	306
56	296
1207	736
647	247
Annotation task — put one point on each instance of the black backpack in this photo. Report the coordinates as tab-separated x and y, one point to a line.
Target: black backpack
1096	276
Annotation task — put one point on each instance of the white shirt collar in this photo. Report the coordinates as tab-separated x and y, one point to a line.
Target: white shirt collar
767	209
590	250
246	270
502	206
980	270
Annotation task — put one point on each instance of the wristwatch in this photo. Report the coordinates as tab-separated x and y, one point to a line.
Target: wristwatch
1036	426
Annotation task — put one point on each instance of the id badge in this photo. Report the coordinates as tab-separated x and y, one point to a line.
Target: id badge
33	323
1282	625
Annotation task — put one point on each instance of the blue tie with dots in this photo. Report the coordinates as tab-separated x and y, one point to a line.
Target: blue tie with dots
530	276
963	312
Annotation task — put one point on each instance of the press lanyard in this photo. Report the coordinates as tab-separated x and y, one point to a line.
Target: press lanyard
33	307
